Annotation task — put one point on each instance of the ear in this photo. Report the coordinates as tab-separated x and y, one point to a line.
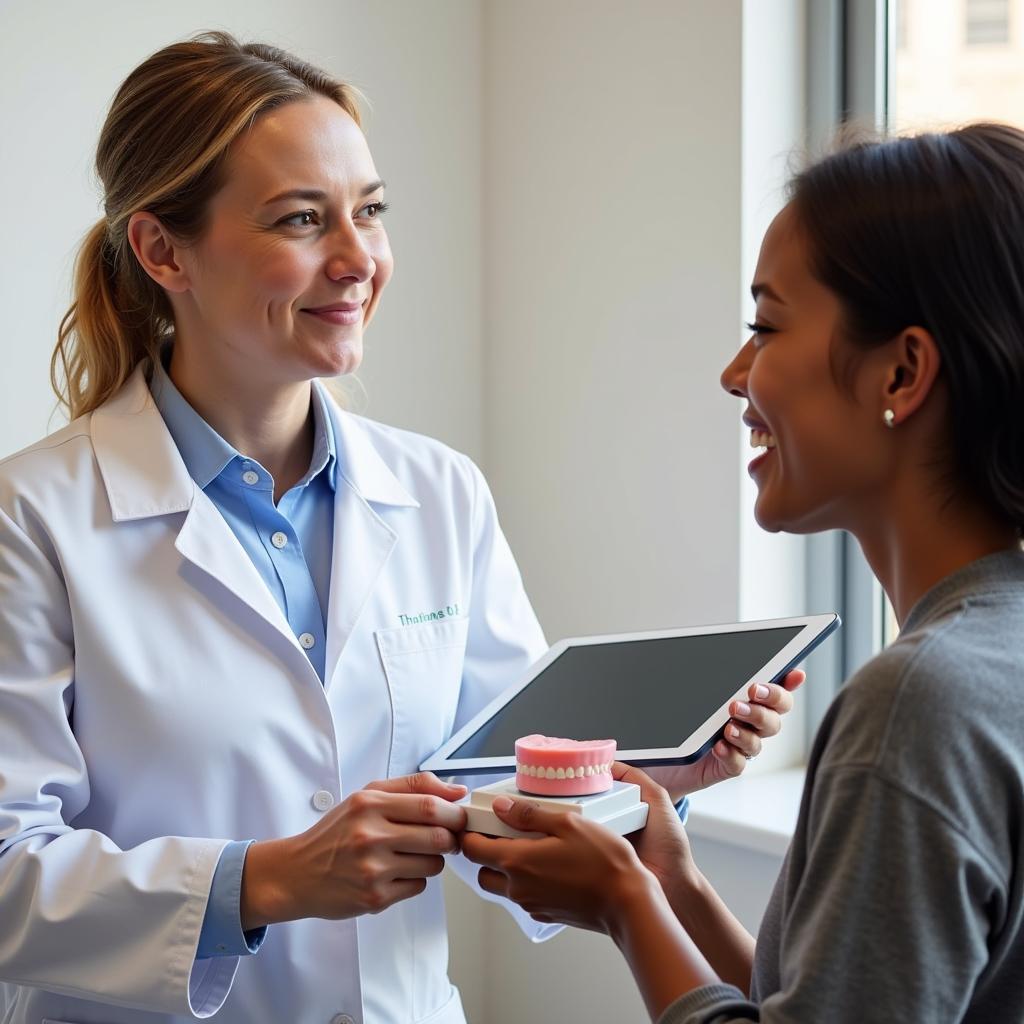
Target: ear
157	252
913	369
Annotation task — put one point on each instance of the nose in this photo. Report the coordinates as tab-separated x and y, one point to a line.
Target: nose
348	257
734	376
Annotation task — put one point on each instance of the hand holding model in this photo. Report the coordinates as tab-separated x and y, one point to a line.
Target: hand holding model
374	849
644	891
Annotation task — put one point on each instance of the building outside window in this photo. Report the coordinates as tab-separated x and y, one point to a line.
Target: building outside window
987	22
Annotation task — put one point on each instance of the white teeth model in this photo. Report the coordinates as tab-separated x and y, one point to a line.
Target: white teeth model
584	771
761	439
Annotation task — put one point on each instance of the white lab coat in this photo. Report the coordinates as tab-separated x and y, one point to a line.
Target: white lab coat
154	703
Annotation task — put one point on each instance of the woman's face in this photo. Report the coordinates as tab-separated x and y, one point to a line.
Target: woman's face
825	456
294	257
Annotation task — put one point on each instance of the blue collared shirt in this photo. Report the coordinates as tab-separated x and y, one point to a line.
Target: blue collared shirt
290	545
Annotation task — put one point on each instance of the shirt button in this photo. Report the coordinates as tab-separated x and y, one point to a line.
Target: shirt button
307	640
279	539
343	1018
250	476
323	800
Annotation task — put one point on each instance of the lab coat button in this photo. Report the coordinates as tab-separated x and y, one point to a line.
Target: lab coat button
279	539
250	476
343	1018
323	800
307	640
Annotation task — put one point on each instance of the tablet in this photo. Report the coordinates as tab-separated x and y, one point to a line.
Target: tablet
663	697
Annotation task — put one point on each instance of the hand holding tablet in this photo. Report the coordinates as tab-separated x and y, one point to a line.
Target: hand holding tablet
664	696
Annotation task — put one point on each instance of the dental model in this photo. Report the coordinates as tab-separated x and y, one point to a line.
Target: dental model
550	766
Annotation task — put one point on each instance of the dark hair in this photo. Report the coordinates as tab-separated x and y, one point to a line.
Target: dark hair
928	231
162	149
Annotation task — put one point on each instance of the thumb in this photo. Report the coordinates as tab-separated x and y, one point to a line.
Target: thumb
422	783
650	792
526	815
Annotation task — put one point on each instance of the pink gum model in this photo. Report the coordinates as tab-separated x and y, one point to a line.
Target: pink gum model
549	766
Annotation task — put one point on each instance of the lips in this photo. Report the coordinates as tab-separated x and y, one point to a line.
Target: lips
760	437
337	312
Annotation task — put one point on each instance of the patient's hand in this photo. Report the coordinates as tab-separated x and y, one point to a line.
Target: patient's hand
752	722
578	873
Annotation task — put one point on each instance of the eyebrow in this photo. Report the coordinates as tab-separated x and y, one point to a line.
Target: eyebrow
315	195
760	288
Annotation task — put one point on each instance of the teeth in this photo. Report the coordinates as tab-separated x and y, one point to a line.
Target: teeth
583	771
761	439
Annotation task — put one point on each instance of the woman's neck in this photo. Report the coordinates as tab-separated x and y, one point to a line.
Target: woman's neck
271	424
915	542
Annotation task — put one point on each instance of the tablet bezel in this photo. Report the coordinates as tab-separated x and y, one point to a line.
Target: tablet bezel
815	628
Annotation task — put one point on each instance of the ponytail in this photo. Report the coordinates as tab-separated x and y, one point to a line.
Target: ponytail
102	337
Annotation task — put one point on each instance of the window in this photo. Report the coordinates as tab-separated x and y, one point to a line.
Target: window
901	65
942	77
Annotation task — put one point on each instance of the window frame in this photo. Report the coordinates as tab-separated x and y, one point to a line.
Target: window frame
850	80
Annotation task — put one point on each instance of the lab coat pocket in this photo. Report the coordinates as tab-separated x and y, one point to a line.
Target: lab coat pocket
423	665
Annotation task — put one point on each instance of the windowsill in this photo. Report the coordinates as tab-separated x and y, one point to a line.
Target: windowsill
758	812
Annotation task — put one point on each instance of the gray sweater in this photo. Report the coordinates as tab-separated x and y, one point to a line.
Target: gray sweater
902	895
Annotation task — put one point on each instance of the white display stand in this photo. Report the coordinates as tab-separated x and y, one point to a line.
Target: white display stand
619	808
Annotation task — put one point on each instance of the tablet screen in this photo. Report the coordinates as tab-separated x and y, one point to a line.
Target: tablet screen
641	693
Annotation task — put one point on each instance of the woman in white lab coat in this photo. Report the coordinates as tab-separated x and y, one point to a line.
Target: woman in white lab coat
227	607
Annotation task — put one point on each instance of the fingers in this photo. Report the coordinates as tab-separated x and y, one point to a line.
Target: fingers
746	741
423	839
794	678
412	866
422	783
493	882
406	809
760	719
771	695
386	895
731	759
526	816
651	792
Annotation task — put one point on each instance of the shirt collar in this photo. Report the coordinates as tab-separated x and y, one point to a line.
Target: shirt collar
206	454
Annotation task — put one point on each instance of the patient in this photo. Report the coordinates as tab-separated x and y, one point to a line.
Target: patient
884	378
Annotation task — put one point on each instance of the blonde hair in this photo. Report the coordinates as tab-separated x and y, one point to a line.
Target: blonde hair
162	149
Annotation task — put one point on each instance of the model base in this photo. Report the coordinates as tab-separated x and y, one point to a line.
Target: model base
619	809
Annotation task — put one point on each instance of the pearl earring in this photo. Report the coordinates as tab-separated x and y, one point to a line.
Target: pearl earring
890	418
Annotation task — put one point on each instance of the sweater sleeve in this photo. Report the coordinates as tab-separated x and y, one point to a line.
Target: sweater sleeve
890	918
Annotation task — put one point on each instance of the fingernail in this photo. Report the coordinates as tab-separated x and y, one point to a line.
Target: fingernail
733	732
761	691
742	708
502	804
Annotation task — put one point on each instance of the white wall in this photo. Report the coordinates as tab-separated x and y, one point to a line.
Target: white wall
611	234
60	64
626	185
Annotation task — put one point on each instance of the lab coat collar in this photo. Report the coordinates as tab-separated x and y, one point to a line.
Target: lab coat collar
145	475
141	468
360	463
